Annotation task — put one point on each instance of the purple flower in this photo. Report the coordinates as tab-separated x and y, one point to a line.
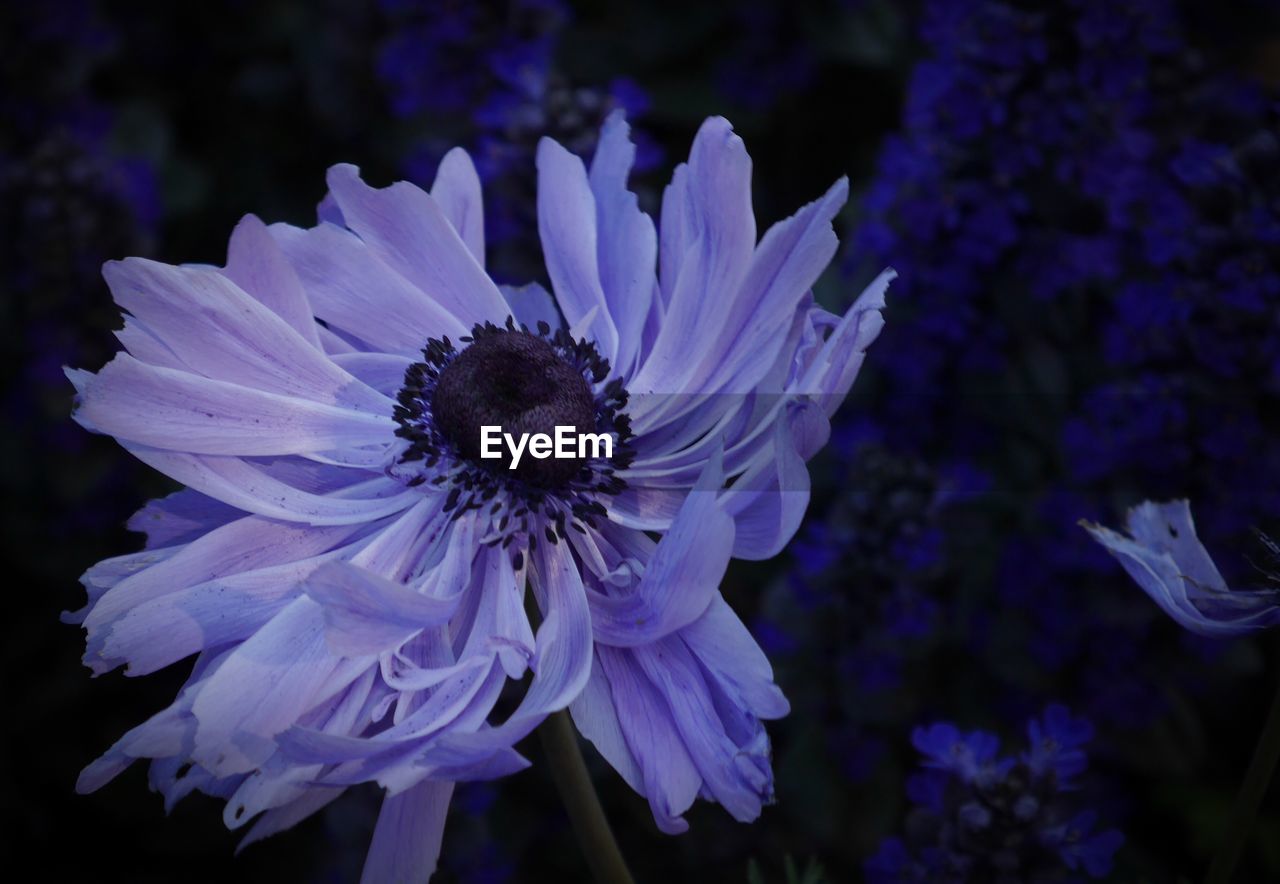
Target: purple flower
1164	557
352	574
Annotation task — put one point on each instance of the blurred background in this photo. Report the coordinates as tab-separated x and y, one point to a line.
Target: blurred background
1083	201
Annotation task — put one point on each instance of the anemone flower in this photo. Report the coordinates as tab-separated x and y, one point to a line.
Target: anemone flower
1164	557
350	569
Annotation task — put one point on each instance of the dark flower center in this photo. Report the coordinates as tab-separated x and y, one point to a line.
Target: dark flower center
514	380
526	383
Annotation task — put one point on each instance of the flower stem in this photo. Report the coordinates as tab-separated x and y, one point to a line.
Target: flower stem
560	745
1254	788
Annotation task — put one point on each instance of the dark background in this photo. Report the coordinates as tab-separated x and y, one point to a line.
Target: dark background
1083	200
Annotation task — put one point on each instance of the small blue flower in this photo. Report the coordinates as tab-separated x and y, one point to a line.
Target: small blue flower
1057	740
968	756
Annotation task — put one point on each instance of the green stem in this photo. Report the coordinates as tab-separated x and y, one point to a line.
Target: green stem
1254	788
560	745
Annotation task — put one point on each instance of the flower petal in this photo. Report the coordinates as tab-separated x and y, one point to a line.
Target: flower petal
646	508
1167	561
407	837
220	332
175	410
278	782
628	244
670	778
251	486
277	819
457	192
383	372
257	265
181	518
768	502
406	228
716	257
1169	528
732	657
680	579
353	290
366	614
531	304
186	620
567	226
561	662
245	545
786	264
264	686
831	374
596	719
736	775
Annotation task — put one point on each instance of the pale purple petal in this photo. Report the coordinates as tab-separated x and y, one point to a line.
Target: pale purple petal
210	614
279	782
109	572
729	653
713	266
531	304
627	241
671	780
647	508
768	502
279	819
407	838
679	580
164	735
263	687
365	613
256	264
352	288
561	662
181	518
732	773
249	486
675	236
785	266
596	719
1169	528
141	343
175	410
220	332
1169	563
457	191
831	374
405	227
383	372
567	227
242	546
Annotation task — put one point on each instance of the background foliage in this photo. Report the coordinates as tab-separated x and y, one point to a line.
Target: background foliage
1083	201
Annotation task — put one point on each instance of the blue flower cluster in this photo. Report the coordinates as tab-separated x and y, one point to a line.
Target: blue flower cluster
1093	237
862	594
978	816
769	60
485	75
453	57
68	202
